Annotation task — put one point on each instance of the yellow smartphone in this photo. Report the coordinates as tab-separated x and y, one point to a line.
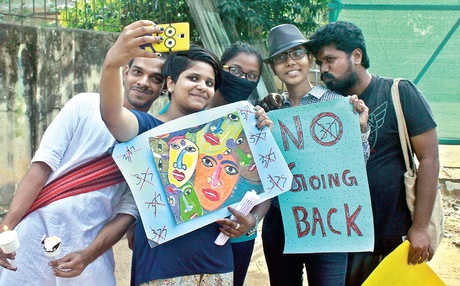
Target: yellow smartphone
176	37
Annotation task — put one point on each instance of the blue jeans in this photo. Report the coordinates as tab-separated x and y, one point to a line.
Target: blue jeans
287	269
242	252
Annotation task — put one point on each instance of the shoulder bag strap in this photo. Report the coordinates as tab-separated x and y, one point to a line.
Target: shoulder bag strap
402	129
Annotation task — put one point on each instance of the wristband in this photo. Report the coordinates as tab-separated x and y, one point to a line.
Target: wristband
251	231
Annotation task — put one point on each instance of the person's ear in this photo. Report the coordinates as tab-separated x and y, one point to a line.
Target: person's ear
170	84
357	56
310	59
125	72
164	88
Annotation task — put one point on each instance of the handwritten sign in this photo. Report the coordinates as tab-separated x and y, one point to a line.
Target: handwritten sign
185	172
328	208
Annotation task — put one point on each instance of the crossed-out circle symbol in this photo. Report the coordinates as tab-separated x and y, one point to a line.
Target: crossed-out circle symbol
326	129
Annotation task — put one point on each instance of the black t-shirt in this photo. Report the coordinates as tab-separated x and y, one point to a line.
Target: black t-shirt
385	167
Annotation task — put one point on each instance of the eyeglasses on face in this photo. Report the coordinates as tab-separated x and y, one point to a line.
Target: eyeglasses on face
238	73
295	55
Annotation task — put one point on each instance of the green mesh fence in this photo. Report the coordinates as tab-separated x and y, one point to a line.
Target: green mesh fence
417	40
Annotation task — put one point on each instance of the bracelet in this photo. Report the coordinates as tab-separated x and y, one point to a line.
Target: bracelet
256	216
251	231
365	134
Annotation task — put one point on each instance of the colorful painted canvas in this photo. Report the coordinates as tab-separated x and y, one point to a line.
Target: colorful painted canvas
185	172
205	168
329	207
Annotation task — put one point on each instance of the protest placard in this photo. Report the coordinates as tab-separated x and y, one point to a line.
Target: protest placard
328	208
185	172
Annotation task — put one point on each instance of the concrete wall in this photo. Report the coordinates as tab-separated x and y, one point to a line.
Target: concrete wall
40	70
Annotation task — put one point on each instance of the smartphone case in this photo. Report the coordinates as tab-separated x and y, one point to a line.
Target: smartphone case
176	37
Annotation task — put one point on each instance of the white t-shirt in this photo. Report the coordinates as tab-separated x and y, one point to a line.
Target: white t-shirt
77	135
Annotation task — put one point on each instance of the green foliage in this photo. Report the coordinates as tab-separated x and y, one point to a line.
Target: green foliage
251	18
112	15
99	15
255	18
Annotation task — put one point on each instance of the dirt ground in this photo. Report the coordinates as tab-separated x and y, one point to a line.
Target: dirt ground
446	262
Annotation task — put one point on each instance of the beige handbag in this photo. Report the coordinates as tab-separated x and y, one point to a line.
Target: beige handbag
436	226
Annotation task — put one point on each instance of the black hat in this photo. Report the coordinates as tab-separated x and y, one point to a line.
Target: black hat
282	38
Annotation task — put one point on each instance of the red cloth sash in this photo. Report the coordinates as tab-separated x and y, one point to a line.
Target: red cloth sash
94	175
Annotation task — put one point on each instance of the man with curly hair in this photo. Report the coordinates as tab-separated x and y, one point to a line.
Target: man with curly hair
341	54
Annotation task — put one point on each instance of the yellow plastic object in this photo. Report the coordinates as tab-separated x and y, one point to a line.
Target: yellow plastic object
176	37
395	271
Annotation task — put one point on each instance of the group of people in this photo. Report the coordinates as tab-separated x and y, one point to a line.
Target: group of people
340	52
91	222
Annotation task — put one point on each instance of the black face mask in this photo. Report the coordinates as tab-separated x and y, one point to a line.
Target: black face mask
234	88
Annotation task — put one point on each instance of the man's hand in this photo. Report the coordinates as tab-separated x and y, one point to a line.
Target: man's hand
360	107
4	260
420	245
271	101
71	265
129	41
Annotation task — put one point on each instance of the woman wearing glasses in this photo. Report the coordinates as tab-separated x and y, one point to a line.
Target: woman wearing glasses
291	62
242	66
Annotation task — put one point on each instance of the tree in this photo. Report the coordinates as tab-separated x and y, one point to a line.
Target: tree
244	20
253	19
250	20
112	15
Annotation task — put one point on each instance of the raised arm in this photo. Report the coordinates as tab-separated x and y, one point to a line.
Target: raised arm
360	107
119	120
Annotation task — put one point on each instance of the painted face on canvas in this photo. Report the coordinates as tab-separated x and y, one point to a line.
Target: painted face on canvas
243	156
218	134
183	156
215	179
159	148
190	207
173	193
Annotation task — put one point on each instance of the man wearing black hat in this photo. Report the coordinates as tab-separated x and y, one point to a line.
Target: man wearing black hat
341	54
291	62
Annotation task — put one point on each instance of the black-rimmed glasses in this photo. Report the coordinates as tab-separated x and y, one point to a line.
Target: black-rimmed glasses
238	73
295	55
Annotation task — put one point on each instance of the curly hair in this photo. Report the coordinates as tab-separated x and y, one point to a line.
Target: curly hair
345	36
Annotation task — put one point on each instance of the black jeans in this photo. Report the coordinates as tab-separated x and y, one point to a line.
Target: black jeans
242	252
